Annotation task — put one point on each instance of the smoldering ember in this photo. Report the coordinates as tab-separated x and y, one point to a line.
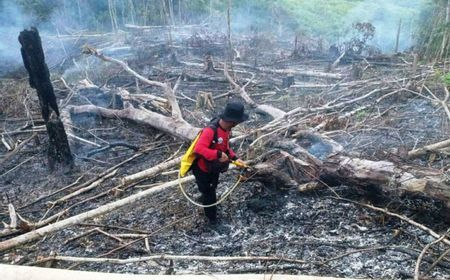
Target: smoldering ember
328	122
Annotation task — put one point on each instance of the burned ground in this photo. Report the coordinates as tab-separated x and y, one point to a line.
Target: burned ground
333	237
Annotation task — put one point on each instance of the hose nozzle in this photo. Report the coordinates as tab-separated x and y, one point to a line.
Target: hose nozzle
240	164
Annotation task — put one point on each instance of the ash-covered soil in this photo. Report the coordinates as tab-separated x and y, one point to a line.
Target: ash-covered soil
256	221
332	237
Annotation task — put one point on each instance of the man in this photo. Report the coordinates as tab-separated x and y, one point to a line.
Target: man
214	154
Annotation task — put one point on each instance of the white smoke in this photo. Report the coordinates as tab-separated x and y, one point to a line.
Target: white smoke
334	25
11	23
385	15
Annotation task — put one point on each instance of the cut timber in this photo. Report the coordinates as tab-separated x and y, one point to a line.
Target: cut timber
270	110
15	272
175	258
178	128
205	100
151	27
326	107
151	171
295	166
169	92
77	219
302	73
389	177
429	148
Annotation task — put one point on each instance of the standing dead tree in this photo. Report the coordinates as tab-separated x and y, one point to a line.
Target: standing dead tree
34	61
445	34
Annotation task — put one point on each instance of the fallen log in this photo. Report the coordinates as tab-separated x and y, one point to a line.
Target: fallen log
151	171
428	148
173	257
17	149
15	272
77	219
163	27
388	177
175	127
382	175
299	166
176	112
268	109
306	73
293	166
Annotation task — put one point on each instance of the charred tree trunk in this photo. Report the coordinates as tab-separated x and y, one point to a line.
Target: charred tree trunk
34	61
290	164
58	148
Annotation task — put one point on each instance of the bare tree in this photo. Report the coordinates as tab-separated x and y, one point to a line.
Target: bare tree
397	39
445	34
113	15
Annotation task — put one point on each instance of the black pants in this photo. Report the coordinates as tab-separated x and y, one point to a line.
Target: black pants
207	185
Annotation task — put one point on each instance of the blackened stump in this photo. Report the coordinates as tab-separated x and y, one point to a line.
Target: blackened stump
34	61
58	148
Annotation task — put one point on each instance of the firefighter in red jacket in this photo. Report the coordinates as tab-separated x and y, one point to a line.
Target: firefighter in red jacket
214	154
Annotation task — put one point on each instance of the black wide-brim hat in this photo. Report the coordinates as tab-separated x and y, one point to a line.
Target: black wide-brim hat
234	112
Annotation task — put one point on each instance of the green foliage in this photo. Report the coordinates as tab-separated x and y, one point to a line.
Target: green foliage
319	18
431	29
446	79
330	19
361	115
442	77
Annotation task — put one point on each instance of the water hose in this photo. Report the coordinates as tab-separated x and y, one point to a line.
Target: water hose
222	198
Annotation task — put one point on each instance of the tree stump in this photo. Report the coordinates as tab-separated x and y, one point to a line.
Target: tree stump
58	148
34	61
208	63
204	101
357	71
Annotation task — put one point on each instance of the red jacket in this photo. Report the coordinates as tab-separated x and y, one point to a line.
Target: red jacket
205	151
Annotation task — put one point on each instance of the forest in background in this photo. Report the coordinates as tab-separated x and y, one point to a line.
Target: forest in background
422	22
